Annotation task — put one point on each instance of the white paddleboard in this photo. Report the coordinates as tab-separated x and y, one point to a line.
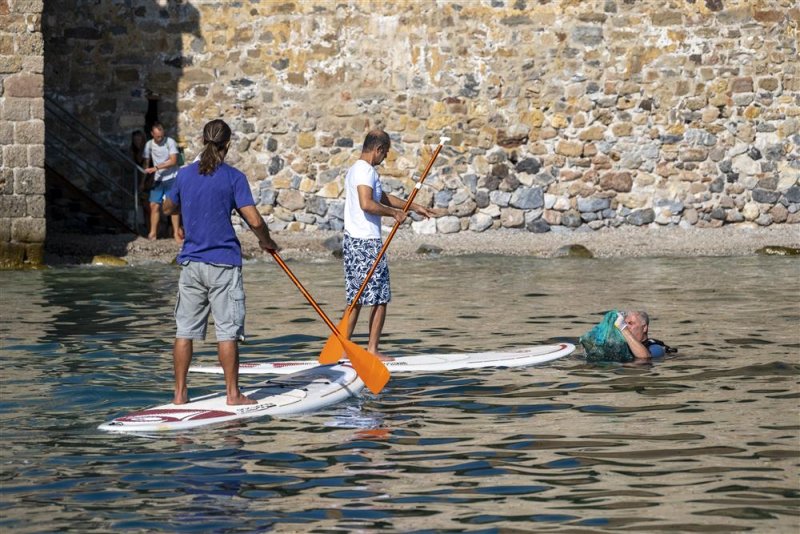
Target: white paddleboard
302	391
426	362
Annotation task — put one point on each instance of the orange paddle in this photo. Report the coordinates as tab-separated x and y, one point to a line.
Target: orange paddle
332	351
369	368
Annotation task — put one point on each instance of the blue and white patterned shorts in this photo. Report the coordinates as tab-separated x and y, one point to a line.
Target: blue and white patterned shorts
359	255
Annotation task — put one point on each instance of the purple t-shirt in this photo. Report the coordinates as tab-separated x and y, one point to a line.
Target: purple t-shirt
206	203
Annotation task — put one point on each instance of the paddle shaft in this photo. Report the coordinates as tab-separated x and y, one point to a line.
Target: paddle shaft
305	293
406	207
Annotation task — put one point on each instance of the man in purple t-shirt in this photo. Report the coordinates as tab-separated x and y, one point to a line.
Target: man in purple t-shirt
205	193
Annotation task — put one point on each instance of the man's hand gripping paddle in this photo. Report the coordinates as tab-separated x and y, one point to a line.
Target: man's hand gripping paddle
332	351
369	368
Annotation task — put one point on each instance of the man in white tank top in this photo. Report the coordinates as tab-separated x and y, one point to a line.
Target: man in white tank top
365	204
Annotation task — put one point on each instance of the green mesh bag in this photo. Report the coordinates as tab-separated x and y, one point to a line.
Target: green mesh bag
604	343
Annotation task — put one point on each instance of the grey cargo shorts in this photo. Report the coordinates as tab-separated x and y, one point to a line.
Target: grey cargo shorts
205	288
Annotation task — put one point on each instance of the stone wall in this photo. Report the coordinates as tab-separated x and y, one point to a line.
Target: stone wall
22	184
562	113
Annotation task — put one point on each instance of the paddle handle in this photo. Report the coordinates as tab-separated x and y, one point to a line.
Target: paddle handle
396	226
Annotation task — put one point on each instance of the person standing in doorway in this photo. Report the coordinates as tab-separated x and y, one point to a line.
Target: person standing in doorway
365	204
162	154
205	193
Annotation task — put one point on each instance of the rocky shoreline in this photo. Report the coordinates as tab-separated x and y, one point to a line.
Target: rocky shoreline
631	242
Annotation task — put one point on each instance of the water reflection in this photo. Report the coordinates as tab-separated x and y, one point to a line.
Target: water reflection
705	439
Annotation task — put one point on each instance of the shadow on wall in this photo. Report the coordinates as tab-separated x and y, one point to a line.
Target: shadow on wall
115	67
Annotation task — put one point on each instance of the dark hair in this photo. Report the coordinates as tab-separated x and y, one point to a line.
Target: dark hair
136	150
157	126
376	139
134	135
216	136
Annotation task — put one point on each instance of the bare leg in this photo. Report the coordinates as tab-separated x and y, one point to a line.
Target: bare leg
376	319
177	231
181	358
228	353
351	325
155	215
352	320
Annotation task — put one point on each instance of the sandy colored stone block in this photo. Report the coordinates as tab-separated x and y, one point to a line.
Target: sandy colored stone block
13	206
24	85
742	85
559	121
33	64
16	109
29	181
439	122
307	185
15	156
35	206
306	140
569	148
10	64
29	132
6	43
26	6
331	190
593	133
623	129
6	133
28	230
617	181
291	199
30	44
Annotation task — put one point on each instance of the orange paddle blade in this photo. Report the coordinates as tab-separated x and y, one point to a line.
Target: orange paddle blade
368	366
332	351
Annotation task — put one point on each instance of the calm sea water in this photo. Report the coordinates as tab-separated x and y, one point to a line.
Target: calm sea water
708	440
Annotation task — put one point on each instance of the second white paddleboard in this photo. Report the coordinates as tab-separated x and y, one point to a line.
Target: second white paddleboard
426	362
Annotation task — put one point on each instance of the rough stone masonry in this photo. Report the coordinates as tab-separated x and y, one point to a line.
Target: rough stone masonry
563	114
22	181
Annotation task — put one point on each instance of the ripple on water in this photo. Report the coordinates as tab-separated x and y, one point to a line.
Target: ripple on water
704	439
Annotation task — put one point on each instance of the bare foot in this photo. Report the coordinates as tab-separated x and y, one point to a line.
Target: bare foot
180	397
383	357
240	400
151	237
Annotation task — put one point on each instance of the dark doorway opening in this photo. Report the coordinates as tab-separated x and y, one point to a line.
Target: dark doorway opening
151	117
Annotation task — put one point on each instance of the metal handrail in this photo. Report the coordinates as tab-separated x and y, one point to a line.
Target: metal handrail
65	119
85	166
74	124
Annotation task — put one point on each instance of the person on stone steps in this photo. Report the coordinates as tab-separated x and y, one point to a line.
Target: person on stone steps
205	193
161	152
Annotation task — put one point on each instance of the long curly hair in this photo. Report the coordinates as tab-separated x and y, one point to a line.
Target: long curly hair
216	138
